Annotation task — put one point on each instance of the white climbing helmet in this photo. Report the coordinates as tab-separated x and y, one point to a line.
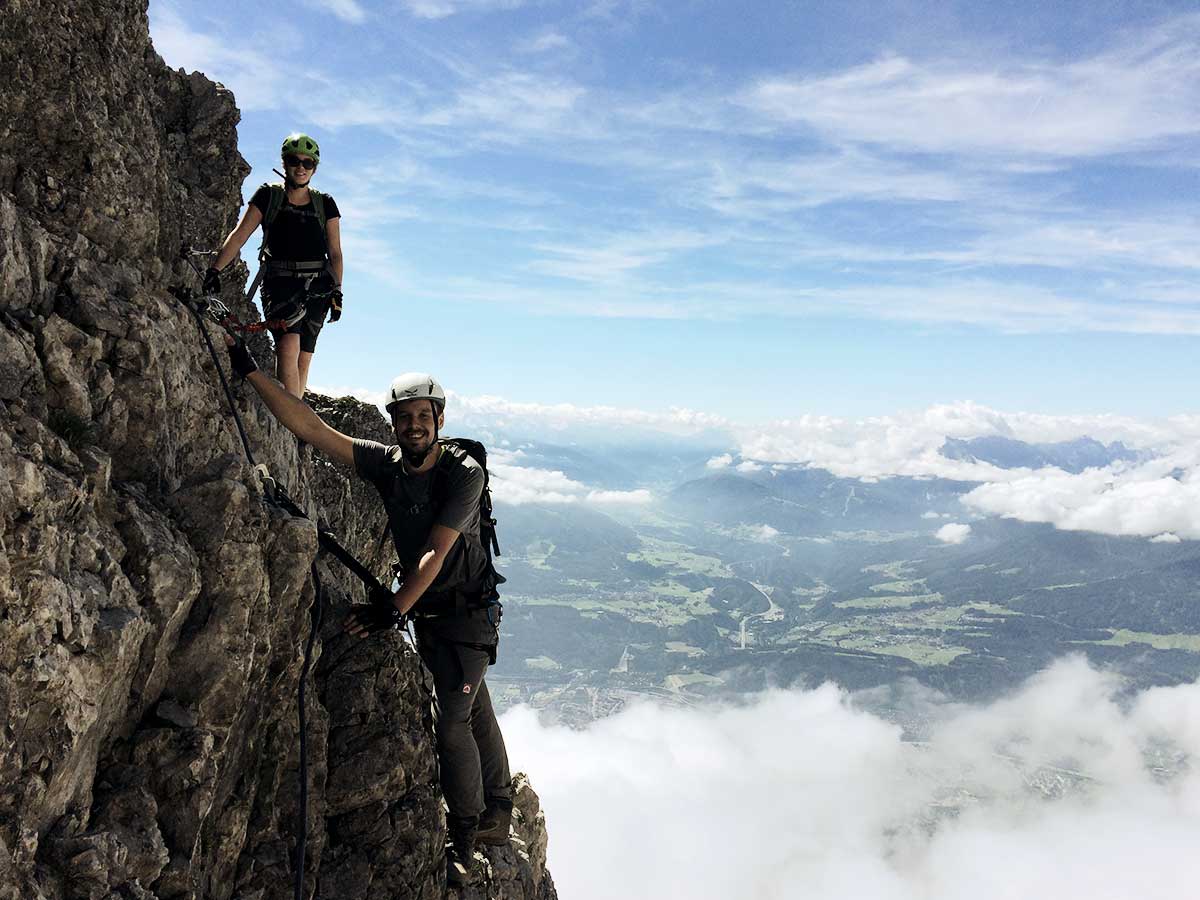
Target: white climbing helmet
416	386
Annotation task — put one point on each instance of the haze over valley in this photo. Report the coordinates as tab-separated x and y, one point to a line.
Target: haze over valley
663	568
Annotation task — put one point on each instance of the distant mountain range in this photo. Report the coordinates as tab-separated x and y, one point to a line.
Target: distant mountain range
1070	456
814	501
733	580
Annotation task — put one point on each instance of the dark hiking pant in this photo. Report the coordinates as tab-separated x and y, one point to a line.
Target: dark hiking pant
471	753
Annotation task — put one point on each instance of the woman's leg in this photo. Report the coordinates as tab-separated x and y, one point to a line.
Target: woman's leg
287	349
302	364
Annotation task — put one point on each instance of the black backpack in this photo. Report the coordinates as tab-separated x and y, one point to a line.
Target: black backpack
487	520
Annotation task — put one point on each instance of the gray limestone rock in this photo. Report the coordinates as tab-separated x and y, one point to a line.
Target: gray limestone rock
154	608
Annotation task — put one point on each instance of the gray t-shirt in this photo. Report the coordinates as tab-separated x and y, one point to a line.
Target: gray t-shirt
413	509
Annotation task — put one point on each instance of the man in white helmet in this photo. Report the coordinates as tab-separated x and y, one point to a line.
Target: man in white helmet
431	491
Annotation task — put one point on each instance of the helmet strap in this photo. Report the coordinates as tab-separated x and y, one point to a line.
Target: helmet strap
414	459
287	179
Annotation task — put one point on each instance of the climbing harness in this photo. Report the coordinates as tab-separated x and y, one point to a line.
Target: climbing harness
287	316
210	306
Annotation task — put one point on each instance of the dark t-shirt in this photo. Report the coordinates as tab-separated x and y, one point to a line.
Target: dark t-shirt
413	510
296	234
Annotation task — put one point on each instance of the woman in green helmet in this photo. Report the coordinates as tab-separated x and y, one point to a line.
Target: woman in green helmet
300	260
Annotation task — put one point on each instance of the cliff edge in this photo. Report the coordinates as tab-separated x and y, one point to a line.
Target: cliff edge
153	608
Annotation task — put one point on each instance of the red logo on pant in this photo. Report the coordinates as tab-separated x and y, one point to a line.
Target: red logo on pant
466	688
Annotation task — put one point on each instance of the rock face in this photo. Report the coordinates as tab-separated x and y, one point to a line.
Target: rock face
154	609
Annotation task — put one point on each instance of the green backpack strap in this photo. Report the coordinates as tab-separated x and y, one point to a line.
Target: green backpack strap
274	205
318	202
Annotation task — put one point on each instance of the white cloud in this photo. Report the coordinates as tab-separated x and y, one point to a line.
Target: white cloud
763	533
953	532
347	10
1158	499
907	443
515	483
960	133
1124	99
441	9
614	259
522	104
724	461
256	78
580	286
1162	496
500	411
1166	538
809	795
930	514
544	42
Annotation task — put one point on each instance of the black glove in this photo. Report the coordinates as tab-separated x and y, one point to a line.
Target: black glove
240	359
335	305
212	281
378	615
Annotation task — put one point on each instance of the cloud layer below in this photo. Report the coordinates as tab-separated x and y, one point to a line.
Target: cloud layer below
805	794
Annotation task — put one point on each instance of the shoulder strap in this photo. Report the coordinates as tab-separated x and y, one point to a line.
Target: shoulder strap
274	204
487	518
437	490
318	202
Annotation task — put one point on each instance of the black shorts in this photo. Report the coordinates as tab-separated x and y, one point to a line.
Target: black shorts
279	292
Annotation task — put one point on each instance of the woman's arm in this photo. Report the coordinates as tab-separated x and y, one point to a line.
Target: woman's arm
233	243
333	236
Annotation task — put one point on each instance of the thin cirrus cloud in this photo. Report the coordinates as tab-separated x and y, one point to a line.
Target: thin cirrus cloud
255	77
441	9
347	10
991	303
948	144
544	42
1125	99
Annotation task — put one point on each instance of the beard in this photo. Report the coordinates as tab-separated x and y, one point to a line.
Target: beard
416	448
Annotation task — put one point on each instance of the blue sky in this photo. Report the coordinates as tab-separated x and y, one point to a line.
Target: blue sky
757	212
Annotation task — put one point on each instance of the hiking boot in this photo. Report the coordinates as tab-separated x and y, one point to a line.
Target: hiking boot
494	825
459	866
460	850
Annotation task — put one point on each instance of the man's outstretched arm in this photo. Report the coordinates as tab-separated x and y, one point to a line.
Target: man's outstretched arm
293	413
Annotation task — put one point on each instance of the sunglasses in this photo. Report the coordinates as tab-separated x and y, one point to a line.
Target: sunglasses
294	161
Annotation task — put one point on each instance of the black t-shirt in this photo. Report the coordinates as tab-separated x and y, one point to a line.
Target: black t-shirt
413	510
296	233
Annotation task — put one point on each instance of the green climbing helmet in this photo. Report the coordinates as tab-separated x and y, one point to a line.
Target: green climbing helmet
301	143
